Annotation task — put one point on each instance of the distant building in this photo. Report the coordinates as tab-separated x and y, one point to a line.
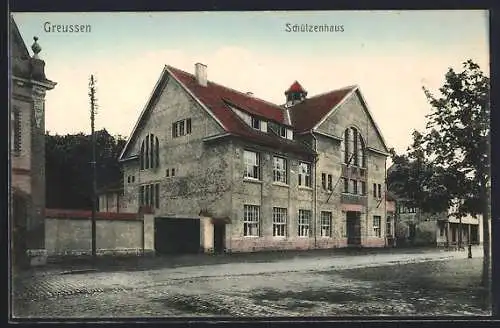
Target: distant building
258	176
28	85
110	199
416	227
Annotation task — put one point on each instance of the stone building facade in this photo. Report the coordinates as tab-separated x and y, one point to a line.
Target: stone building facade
307	174
415	227
28	85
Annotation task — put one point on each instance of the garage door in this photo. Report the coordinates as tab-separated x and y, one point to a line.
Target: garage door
177	236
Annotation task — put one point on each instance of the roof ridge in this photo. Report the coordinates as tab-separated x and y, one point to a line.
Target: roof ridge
231	89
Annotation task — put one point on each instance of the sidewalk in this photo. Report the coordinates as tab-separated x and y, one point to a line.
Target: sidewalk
76	265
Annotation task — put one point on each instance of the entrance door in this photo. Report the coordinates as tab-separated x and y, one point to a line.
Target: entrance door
219	234
353	221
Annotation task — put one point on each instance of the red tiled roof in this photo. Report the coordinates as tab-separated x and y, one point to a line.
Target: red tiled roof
295	87
306	114
216	97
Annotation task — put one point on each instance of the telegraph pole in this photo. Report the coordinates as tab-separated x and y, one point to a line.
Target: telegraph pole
93	105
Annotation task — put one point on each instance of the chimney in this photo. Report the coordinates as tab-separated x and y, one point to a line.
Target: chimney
201	74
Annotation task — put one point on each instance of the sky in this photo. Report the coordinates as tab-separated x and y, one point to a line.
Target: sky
390	55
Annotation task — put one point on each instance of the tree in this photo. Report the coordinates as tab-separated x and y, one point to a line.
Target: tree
457	139
423	184
68	170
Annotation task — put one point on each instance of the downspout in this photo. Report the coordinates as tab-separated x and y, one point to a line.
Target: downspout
385	202
315	197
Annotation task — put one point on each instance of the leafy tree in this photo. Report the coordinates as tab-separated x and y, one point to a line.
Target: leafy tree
458	140
68	170
422	184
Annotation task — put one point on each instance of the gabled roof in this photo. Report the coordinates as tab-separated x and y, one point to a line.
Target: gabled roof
213	96
306	114
310	113
217	100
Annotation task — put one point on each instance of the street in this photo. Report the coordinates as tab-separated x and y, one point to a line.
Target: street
433	282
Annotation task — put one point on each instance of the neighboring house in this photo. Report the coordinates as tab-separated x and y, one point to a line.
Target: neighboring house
28	85
110	199
416	227
308	174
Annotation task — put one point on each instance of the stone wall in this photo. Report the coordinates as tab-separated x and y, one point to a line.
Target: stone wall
69	232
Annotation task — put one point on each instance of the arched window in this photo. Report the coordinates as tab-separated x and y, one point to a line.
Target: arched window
150	152
353	148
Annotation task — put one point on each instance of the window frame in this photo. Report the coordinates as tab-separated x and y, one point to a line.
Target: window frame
305	176
254	165
326	219
377	228
251	218
255	123
280	174
304	223
280	222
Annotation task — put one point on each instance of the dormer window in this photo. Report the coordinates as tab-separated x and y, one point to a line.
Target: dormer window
255	123
282	131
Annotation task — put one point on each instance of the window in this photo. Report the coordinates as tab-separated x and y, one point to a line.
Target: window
353	148
375	190
17	132
133	178
181	128
305	174
255	123
141	195
157	195
376	225
303	224
251	164
330	182
167	173
379	191
173	172
388	226
149	195
282	131
251	220
354	187
128	179
345	145
346	185
279	169
279	222
326	224
363	188
323	180
150	152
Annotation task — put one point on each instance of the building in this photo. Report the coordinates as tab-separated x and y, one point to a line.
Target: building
256	175
418	228
28	85
110	199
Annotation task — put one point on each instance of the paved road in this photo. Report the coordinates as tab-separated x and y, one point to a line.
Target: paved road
301	286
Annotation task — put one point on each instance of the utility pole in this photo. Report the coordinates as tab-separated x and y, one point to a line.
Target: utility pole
93	110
